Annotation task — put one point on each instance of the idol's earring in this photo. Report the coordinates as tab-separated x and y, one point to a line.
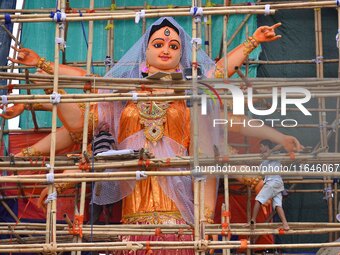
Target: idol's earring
145	69
178	70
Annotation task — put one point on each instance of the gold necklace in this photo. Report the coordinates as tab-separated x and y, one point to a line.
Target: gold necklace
152	117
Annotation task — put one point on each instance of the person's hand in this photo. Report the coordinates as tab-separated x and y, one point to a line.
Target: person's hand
265	155
266	33
291	144
13	111
25	57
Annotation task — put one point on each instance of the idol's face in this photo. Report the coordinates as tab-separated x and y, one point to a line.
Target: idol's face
164	50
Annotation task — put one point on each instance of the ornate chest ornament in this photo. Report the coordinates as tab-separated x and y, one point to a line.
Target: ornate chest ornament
152	117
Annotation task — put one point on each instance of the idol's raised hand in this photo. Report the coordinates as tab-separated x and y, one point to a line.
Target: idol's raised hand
25	57
266	33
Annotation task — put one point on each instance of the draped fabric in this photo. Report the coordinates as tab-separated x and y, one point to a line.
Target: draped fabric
125	126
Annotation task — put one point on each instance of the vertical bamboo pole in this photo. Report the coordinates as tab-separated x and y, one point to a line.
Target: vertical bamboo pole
337	99
337	112
335	184
110	40
86	118
144	20
206	36
248	210
210	35
225	113
194	122
322	103
51	219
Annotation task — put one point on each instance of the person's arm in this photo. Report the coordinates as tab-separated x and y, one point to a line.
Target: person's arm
30	58
238	55
289	143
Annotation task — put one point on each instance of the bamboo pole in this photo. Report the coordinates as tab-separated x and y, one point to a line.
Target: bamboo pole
112	16
86	122
226	213
195	132
51	205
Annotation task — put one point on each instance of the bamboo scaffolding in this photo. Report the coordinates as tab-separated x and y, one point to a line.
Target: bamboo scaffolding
149	13
290	4
105	232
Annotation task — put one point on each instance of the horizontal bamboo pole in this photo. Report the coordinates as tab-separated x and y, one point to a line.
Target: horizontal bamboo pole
64	247
173	8
282	62
113	16
142	232
94	98
136	83
240	159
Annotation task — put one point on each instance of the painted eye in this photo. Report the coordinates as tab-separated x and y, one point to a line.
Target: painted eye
158	45
173	47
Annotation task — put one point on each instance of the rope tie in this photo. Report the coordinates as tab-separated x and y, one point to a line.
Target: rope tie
8	21
109	26
337	37
55	98
267	9
318	60
244	244
337	2
50	178
61	41
148	248
52	196
139	15
108	61
281	231
134	96
197	13
4	101
202	245
141	175
196	41
328	193
76	228
50	248
58	16
10	88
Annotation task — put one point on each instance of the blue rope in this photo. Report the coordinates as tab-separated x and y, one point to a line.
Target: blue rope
58	13
8	21
84	33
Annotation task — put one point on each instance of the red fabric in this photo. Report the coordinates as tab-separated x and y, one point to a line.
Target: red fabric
238	203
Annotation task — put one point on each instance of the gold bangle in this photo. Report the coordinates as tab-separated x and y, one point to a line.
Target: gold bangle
35	106
61	187
45	66
208	215
249	45
30	151
219	74
252	182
